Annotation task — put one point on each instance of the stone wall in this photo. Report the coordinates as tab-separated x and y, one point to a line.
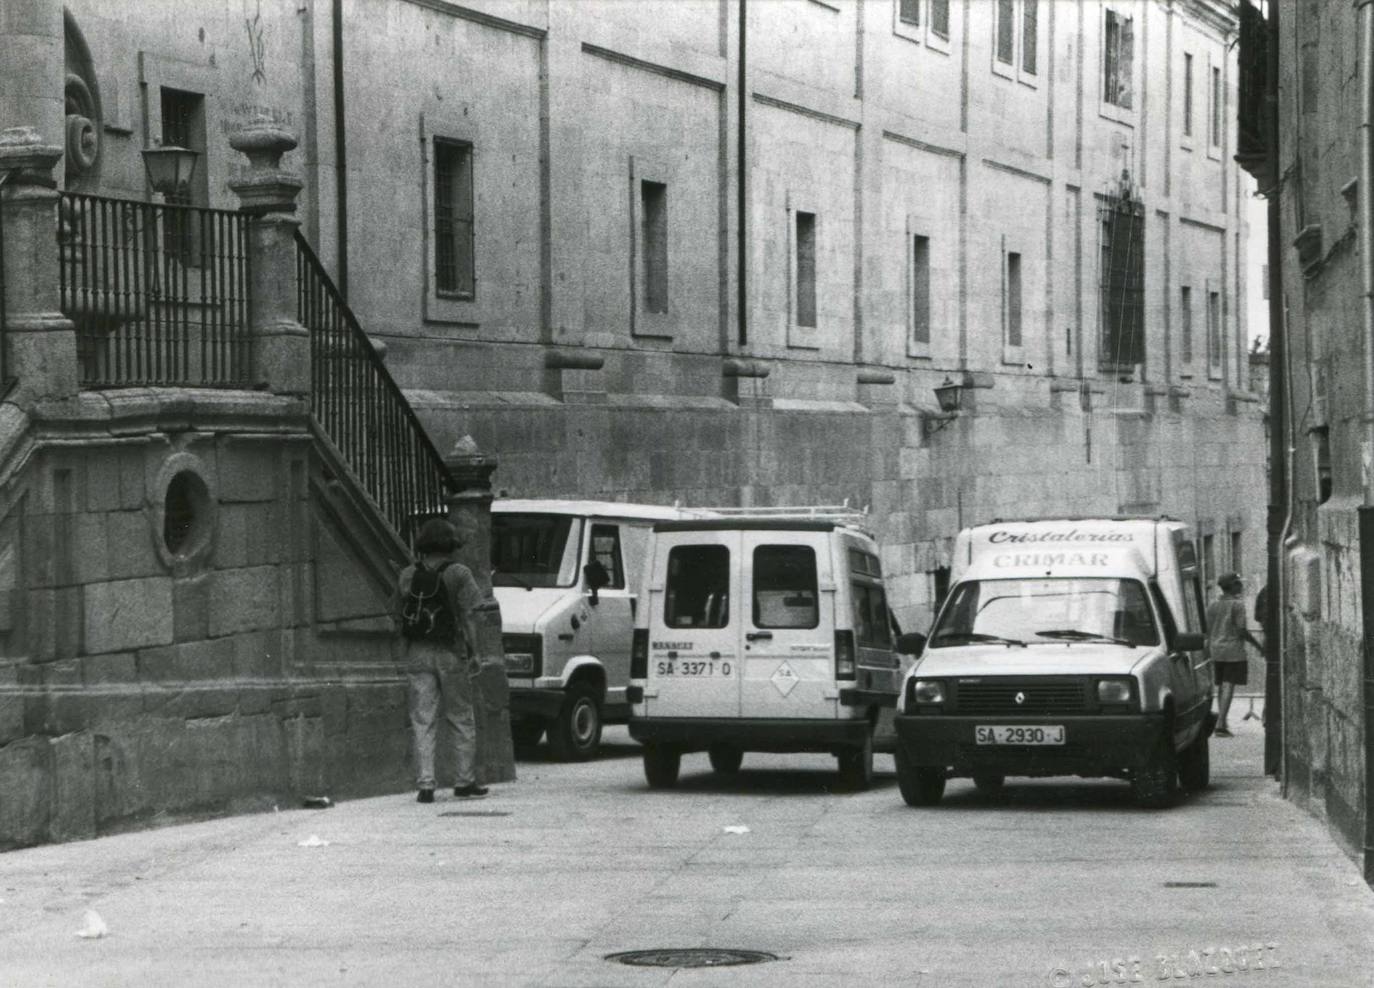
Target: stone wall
232	657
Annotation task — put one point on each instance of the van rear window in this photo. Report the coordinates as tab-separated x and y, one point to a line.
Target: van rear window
698	587
785	587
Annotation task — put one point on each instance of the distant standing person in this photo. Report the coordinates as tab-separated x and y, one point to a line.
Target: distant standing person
435	598
1226	638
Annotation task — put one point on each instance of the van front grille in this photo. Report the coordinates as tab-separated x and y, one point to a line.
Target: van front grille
1036	696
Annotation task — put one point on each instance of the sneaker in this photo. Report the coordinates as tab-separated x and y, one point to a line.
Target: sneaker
425	796
469	792
1221	732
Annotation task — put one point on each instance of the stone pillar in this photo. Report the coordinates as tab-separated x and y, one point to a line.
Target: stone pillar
267	193
33	66
40	342
470	513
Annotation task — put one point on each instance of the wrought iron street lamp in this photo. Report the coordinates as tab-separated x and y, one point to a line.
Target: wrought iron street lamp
950	396
170	169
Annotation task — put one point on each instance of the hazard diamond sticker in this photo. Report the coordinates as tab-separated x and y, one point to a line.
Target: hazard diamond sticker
784	679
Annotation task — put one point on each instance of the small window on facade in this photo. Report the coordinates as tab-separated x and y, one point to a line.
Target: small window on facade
697	591
1123	283
920	289
1118	58
183	125
1187	94
453	253
1321	450
1029	32
909	12
1013	299
1214	330
1186	323
606	551
653	201
1209	560
806	269
1006	32
1237	563
939	18
786	594
1216	107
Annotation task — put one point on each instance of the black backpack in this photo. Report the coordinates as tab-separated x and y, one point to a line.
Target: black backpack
426	614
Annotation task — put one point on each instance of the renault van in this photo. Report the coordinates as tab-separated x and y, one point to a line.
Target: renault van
763	631
1064	647
566	574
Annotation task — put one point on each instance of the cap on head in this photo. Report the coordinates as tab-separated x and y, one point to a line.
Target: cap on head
1230	582
437	535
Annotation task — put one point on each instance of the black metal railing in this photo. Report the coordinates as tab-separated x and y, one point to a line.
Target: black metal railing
358	405
159	293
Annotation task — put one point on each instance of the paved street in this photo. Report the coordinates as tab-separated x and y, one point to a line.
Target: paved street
535	885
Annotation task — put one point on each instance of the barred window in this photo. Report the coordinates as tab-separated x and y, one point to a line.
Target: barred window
1123	283
453	252
1118	59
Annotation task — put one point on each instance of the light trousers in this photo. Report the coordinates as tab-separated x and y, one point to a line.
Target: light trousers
441	682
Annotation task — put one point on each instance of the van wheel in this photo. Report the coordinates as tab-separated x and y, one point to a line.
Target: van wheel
725	758
920	786
575	735
526	733
988	783
1195	765
1155	783
856	765
661	765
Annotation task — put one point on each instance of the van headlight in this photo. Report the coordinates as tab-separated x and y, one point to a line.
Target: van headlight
1113	692
928	691
524	655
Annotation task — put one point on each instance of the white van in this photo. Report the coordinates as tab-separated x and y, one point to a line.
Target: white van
762	632
1064	647
566	574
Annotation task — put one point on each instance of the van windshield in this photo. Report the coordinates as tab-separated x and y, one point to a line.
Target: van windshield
530	550
1030	612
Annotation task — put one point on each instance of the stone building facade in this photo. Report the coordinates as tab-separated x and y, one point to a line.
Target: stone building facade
715	251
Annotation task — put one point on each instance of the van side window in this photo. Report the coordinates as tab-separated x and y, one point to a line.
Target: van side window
606	551
698	587
872	623
785	593
1166	616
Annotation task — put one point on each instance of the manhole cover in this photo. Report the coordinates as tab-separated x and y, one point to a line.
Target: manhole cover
1190	885
691	957
475	813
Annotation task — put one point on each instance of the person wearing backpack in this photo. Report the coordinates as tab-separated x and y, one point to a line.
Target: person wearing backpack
435	598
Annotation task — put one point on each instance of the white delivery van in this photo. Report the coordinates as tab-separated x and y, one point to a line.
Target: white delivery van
566	574
763	631
1064	647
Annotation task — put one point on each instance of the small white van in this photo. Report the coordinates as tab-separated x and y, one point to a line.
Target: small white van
762	631
1064	647
566	574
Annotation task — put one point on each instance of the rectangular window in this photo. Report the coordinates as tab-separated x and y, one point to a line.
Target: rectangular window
872	628
1006	37
183	126
1123	284
606	552
920	289
1237	564
1029	30
909	12
786	594
1187	94
1216	107
1186	322
653	202
1209	561
697	591
1013	299
806	269
1214	330
1118	56
453	254
939	18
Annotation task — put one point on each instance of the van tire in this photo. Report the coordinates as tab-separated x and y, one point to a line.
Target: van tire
1155	783
856	765
986	782
575	735
919	785
526	733
661	765
1195	764
725	758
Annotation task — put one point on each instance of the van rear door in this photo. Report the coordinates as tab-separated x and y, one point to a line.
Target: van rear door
789	625
695	600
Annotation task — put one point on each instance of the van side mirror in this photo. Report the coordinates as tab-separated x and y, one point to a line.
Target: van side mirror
911	643
1189	641
596	577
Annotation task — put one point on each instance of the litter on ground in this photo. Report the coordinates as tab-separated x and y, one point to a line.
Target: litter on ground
95	927
737	828
313	841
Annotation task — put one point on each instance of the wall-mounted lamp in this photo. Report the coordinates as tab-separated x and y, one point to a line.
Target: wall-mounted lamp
170	169
950	396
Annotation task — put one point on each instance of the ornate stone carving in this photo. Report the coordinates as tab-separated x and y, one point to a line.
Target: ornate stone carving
84	118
